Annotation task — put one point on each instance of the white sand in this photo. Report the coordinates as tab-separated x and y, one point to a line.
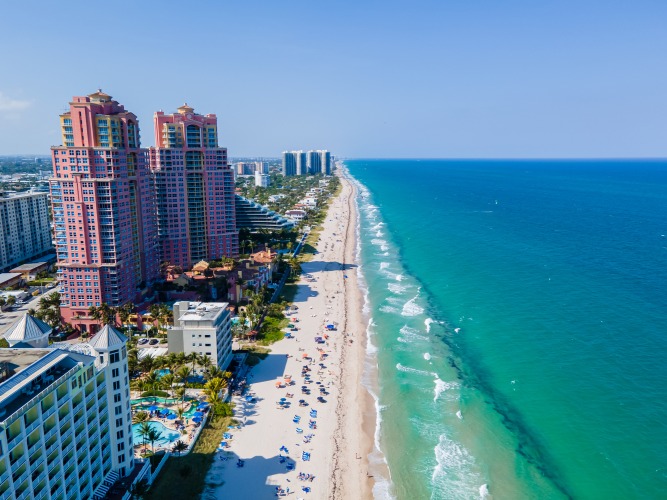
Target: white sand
341	443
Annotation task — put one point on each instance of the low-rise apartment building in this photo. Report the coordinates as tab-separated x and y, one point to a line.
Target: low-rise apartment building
204	328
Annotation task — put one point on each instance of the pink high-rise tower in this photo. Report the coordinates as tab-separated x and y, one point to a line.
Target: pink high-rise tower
103	209
196	217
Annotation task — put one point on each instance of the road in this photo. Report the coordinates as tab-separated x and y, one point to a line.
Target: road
8	318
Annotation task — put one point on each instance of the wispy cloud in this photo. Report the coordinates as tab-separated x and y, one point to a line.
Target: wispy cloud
9	104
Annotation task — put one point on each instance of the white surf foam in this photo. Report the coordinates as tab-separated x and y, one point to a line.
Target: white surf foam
379	234
399	277
427	356
428	322
411	308
484	491
442	386
397	289
384	265
412	334
416	371
454	474
459	415
389	309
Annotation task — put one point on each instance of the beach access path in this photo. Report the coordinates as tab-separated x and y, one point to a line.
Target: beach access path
341	439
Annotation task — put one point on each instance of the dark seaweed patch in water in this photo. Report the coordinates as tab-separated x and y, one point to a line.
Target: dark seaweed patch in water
473	375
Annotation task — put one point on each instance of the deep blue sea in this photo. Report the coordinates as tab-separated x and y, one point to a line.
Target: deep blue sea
518	319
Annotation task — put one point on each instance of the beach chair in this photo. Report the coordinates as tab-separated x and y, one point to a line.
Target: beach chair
299	430
296	419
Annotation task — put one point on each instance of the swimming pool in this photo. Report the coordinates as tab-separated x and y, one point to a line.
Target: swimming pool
152	400
168	435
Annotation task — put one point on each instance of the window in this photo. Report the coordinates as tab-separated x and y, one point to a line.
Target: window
114	357
121	446
116	398
119	422
115	372
121	458
116	385
118	410
119	434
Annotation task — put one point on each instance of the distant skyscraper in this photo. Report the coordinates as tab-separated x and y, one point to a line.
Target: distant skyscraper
24	228
195	189
103	209
319	162
295	163
262	167
289	163
301	163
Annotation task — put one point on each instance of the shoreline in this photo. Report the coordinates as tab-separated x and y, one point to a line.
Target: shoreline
343	437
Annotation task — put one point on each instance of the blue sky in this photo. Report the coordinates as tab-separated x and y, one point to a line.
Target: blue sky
454	78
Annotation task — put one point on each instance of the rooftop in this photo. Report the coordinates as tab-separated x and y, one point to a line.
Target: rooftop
203	311
28	267
28	372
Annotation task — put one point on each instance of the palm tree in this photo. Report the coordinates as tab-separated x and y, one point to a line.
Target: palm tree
168	382
147	363
213	388
152	436
153	381
180	411
144	429
139	490
214	372
180	394
179	447
139	417
124	312
11	300
194	358
183	374
205	361
154	311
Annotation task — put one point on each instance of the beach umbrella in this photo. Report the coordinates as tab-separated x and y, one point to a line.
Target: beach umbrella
153	408
198	414
172	416
283	399
197	419
305	355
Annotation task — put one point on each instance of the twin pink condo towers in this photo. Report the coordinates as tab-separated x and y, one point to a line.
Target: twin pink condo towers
119	210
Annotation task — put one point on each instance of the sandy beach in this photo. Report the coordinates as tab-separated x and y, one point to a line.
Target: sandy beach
338	440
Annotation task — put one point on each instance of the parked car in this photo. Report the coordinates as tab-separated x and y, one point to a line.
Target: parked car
153	341
142	341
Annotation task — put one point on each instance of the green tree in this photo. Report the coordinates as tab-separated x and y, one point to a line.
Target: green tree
153	436
139	417
179	447
143	432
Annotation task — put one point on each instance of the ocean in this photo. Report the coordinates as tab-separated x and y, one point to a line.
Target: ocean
517	326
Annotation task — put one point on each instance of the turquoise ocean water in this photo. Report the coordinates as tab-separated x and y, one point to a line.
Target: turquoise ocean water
519	325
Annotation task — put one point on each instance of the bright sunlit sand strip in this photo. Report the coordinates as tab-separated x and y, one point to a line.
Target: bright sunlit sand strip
290	443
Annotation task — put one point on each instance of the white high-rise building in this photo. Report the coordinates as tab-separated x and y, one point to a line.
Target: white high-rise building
24	228
204	328
319	162
65	423
295	163
262	180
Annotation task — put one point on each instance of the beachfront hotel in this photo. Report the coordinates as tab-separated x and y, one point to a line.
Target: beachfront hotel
65	420
204	328
103	209
24	228
196	216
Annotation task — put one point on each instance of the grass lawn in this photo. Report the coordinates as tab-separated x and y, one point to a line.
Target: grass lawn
184	477
289	292
271	330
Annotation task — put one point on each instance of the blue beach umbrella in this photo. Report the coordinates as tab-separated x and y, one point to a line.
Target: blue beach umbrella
197	419
198	414
172	416
153	408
